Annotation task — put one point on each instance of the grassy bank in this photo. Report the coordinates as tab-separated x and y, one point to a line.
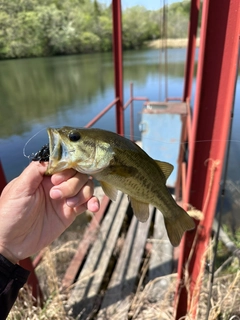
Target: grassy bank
170	43
225	297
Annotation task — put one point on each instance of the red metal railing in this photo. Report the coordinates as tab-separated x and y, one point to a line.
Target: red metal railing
130	102
114	103
102	113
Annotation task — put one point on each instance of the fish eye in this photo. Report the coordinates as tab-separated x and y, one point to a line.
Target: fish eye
74	136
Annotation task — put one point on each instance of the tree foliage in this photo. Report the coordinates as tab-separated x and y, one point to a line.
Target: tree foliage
52	27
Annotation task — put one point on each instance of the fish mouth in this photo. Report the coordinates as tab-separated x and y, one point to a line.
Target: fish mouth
58	153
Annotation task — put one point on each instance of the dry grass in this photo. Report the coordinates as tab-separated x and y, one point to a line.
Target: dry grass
169	43
225	299
54	301
224	304
50	272
142	306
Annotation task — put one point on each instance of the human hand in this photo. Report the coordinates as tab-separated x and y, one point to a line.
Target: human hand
35	209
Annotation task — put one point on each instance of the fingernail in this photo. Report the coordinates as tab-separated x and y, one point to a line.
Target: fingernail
94	206
56	194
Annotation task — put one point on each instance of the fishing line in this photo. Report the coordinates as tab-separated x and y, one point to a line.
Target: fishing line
184	142
24	148
32	155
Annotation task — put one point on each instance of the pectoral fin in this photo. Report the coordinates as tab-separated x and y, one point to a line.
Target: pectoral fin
140	209
166	168
109	190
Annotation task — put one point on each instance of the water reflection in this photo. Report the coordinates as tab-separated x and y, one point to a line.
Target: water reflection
36	90
71	90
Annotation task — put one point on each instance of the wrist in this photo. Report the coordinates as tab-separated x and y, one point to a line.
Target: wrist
8	255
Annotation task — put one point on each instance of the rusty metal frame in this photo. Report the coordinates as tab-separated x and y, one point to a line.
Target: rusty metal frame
118	63
211	120
130	102
191	50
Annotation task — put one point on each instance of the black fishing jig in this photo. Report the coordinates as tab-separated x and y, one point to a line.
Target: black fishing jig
42	155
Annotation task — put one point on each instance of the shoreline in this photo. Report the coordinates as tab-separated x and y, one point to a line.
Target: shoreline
150	44
170	43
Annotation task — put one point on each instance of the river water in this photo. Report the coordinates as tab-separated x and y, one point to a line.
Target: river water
70	90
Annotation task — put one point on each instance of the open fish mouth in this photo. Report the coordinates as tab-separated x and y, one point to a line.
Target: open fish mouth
49	151
55	145
58	153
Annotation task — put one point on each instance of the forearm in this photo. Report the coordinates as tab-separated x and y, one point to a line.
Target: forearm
12	279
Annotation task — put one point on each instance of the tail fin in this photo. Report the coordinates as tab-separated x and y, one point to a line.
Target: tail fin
176	228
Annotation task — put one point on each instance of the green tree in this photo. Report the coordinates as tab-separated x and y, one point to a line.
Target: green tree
56	32
5	26
53	27
178	19
134	27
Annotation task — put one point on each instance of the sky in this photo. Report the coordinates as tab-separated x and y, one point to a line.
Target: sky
148	4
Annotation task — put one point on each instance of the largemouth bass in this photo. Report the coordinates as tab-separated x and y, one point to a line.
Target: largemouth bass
119	164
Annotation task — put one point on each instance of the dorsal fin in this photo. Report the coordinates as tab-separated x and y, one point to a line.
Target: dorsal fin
166	168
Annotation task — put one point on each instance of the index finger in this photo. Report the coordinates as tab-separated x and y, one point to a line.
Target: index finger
62	176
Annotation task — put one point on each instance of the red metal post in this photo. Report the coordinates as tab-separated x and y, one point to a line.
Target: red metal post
192	36
212	113
118	69
33	280
131	113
